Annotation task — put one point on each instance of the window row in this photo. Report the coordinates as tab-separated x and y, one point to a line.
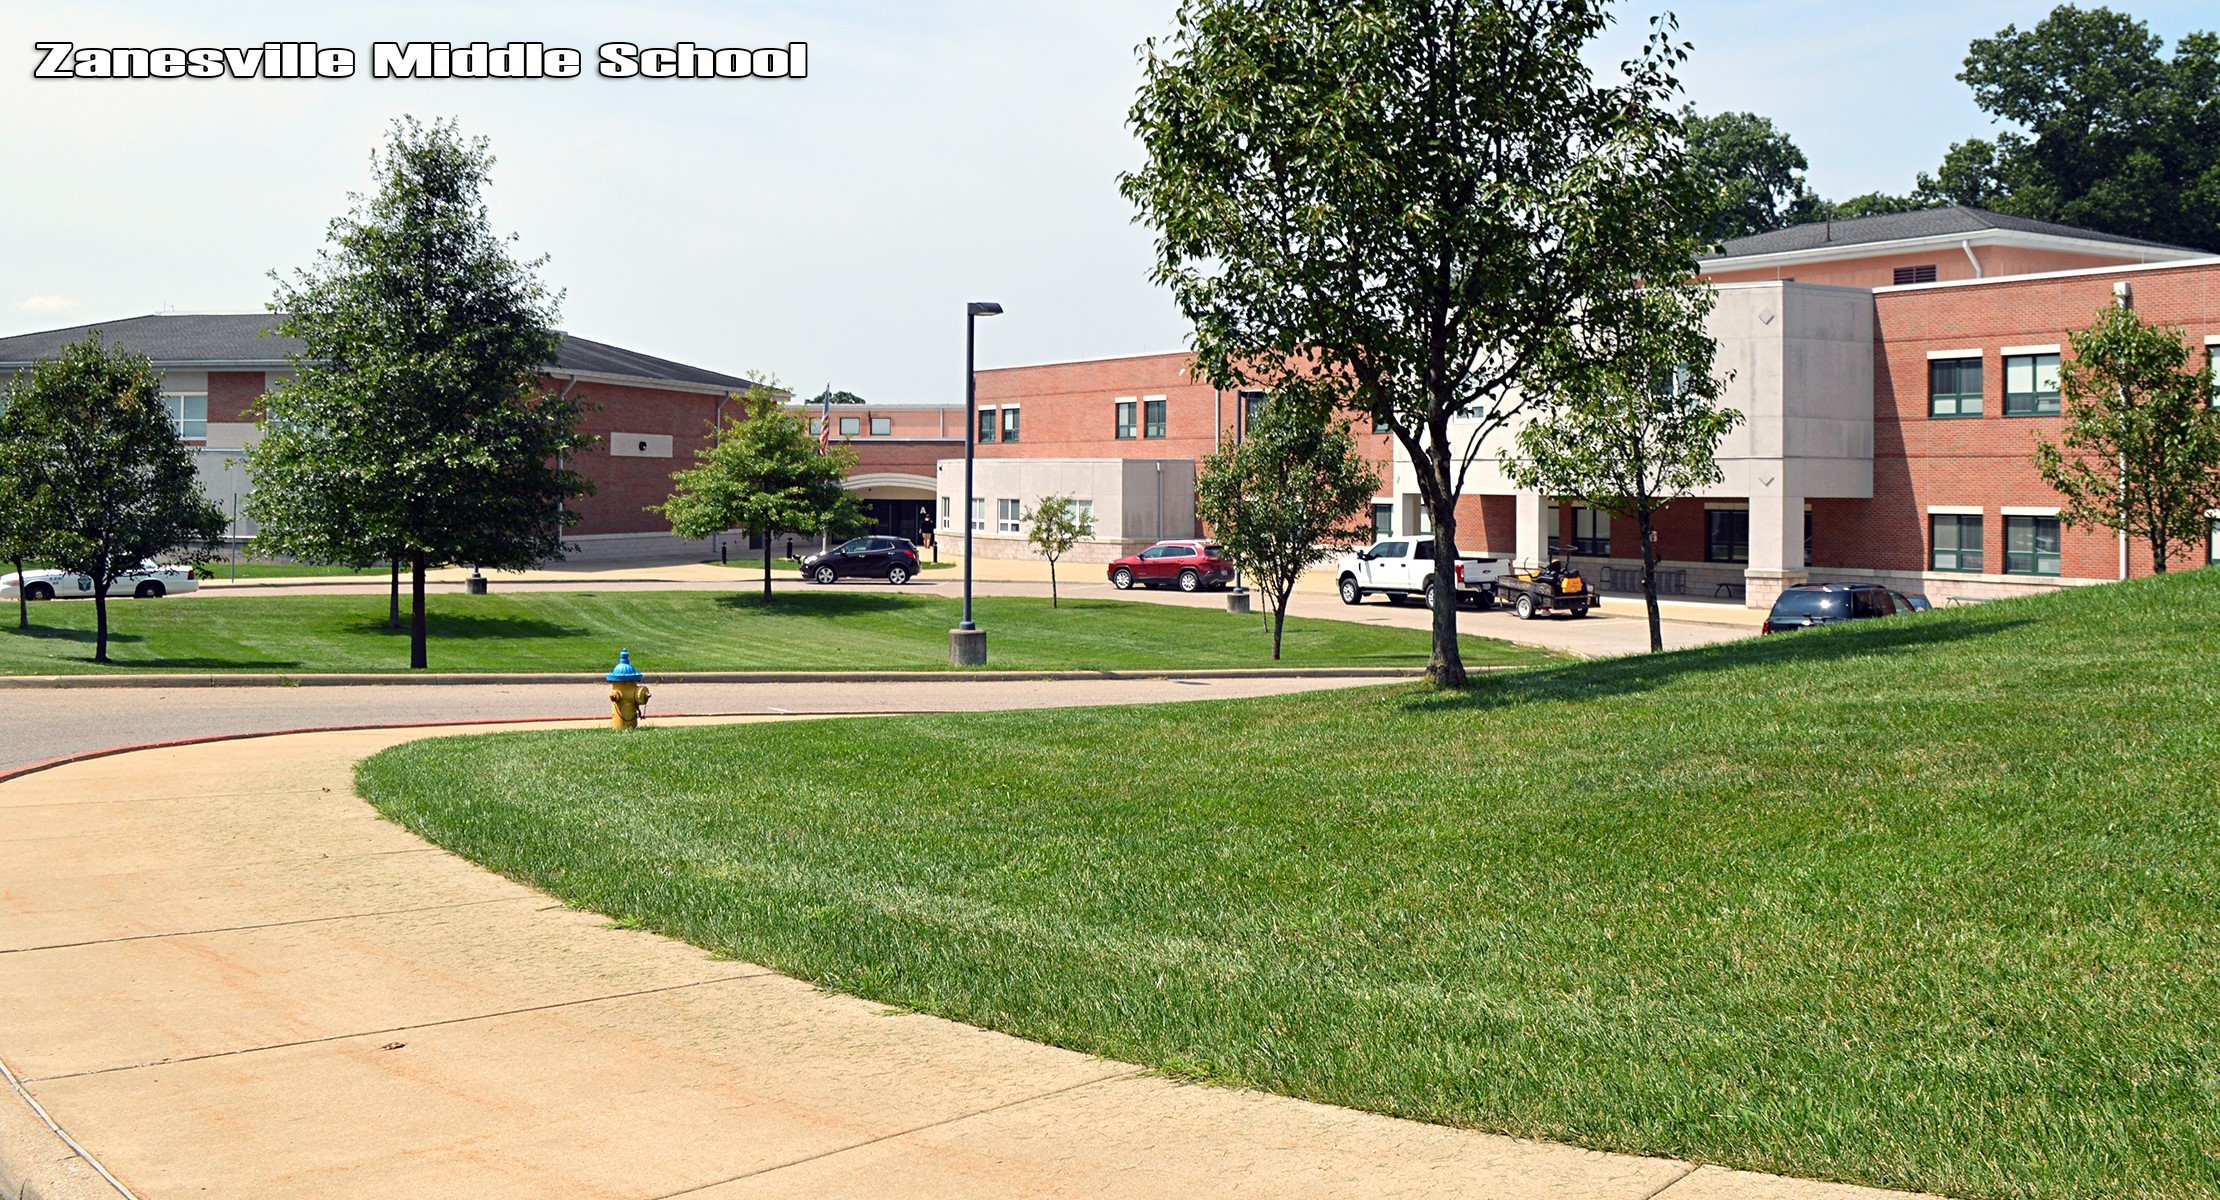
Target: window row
1140	418
1954	387
189	413
1004	419
2031	544
854	426
1009	515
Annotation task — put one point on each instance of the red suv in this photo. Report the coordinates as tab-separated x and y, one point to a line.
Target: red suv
1192	566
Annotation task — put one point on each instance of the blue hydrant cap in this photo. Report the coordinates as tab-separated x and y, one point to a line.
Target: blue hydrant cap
625	672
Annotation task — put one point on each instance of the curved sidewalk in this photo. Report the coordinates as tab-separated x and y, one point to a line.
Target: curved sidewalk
224	974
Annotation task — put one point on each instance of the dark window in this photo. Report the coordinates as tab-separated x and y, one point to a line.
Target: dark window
1816	604
1954	387
1251	404
1152	417
2031	385
1591	533
1009	424
2031	545
1126	409
1727	535
1871	602
1390	549
986	424
1956	539
1383	520
1920	274
1807	538
1423	550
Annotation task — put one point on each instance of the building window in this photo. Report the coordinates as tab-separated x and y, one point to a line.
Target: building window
1956	539
1727	535
2031	545
978	514
882	426
2031	385
1128	425
851	426
816	426
1954	387
2212	543
1251	404
1591	533
1152	417
1924	273
189	414
1009	425
1383	520
1082	510
1008	514
986	424
2212	365
945	504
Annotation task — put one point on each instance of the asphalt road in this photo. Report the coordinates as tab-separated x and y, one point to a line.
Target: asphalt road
53	723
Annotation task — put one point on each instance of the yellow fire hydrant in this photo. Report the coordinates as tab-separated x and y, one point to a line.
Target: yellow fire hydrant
628	693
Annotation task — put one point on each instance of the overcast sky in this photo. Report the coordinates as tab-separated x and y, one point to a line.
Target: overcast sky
824	230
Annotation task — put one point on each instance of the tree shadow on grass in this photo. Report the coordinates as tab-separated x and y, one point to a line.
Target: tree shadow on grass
439	627
54	633
821	604
1635	673
116	640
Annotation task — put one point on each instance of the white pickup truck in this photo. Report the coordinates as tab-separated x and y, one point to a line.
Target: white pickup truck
1400	568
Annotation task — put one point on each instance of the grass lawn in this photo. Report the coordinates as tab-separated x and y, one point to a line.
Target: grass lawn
1931	902
677	631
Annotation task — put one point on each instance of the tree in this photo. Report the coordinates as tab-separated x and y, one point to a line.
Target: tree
2140	448
1287	497
829	396
1393	206
1054	526
1756	171
764	474
26	512
417	425
93	442
1636	421
2110	134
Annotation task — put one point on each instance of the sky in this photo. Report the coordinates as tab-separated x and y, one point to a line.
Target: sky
825	230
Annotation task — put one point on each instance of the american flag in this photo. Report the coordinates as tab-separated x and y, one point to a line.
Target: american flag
824	421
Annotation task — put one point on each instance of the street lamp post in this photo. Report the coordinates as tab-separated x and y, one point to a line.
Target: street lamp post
967	643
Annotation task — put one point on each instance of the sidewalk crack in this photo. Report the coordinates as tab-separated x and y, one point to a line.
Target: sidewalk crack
149	937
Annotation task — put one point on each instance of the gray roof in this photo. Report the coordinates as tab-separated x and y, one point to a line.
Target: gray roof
1951	221
239	339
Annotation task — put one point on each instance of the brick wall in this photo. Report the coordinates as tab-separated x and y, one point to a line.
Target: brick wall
231	395
624	486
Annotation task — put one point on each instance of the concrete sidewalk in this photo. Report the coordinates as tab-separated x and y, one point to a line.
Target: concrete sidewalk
224	974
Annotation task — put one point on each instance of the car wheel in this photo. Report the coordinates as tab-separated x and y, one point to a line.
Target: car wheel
897	575
1190	581
1121	579
1431	600
1582	611
1350	592
826	575
152	589
39	591
1524	608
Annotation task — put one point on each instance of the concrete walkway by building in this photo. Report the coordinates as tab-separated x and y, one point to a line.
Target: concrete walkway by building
223	974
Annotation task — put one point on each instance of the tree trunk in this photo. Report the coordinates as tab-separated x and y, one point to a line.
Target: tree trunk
1446	667
1279	617
417	660
1649	582
1054	600
100	619
766	568
22	597
393	599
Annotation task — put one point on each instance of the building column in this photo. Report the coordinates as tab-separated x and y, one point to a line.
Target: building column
1531	531
1776	547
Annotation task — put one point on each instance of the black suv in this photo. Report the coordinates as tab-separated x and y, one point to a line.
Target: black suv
1809	604
890	558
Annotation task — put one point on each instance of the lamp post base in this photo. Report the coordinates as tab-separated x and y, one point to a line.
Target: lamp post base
967	647
1237	602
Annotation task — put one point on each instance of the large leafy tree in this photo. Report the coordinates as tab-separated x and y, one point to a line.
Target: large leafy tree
1287	497
1636	418
91	442
417	426
26	512
765	474
2140	447
1392	205
2110	133
1756	172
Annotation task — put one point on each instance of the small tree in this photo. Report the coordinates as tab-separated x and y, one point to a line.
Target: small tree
95	442
417	427
1055	525
1635	423
2140	450
1286	498
25	505
764	474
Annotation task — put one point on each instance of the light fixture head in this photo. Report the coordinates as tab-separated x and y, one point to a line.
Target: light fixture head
983	308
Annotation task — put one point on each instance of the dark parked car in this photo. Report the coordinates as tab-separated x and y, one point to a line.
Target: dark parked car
1809	604
890	558
1188	565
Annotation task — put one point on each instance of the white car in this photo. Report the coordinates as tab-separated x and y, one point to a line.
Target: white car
151	581
1403	567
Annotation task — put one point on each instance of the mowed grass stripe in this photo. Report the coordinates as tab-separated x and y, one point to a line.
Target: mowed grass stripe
1926	903
681	631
